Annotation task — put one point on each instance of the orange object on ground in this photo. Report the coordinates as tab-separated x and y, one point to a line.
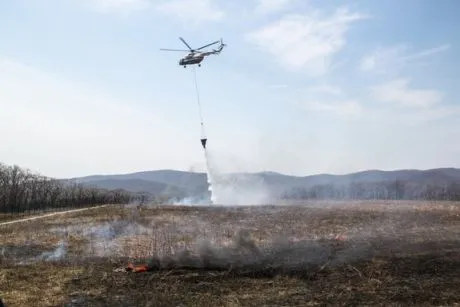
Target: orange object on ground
138	268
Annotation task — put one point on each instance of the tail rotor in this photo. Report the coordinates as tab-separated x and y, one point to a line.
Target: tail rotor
222	45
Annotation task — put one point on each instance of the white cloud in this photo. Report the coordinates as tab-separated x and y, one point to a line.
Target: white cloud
426	52
346	108
192	11
431	114
424	105
117	6
271	6
393	58
379	60
325	89
398	91
305	42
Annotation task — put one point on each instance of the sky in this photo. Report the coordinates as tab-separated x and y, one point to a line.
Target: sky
302	87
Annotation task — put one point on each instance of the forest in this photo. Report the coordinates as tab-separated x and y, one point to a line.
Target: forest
22	191
383	190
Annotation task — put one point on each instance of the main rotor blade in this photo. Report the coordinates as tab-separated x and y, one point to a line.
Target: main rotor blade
175	50
186	43
208	45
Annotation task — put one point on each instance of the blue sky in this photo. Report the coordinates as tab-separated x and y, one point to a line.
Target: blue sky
302	87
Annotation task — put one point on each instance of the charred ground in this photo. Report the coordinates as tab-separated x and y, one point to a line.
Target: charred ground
358	253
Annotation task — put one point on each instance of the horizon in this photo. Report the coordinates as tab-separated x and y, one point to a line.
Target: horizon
301	88
277	173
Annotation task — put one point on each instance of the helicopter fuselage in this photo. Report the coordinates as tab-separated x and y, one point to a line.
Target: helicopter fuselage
191	59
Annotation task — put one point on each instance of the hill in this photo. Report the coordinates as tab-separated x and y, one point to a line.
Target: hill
168	183
139	186
173	183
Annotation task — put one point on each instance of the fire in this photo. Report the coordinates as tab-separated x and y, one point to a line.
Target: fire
138	268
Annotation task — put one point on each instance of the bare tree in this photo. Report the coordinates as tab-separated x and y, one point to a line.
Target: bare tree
26	192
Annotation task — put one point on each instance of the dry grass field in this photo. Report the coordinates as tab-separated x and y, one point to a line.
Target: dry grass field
303	254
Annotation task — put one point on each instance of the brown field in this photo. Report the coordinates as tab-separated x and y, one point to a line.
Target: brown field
5	217
306	254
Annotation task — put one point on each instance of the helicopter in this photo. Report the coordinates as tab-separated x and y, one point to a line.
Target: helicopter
195	56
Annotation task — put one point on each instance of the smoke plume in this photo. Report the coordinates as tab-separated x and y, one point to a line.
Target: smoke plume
234	189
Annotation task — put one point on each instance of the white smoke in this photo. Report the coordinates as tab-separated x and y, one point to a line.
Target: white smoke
56	254
234	189
210	178
105	239
191	201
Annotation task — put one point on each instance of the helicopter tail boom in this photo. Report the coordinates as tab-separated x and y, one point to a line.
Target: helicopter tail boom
222	45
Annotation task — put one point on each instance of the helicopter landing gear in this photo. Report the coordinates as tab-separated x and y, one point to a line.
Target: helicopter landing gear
199	65
185	66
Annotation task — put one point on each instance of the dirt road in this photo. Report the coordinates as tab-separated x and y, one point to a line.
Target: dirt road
48	215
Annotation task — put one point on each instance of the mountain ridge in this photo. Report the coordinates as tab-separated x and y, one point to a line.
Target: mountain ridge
177	183
266	173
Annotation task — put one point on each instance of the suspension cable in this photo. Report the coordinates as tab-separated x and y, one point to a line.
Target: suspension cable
199	104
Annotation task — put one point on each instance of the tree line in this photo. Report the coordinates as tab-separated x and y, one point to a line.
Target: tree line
22	191
386	190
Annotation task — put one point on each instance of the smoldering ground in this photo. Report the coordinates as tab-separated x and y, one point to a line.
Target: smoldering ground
258	237
400	252
30	253
296	253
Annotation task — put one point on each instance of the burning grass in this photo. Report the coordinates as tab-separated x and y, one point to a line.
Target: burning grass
359	253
